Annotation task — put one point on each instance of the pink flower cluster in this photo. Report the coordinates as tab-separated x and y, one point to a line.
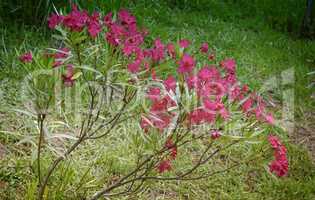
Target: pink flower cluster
124	33
279	165
160	115
76	21
214	85
26	57
165	164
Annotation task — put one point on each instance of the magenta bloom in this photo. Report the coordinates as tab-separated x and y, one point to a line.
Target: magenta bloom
172	147
54	20
159	106
68	77
269	119
224	113
26	58
208	74
76	20
134	67
158	51
234	93
199	116
171	50
170	83
229	65
212	106
192	81
186	64
94	27
247	105
126	18
204	48
211	56
154	93
274	141
160	120
184	43
215	134
280	164
163	166
108	19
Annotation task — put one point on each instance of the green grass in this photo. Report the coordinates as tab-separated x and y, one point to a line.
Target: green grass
261	53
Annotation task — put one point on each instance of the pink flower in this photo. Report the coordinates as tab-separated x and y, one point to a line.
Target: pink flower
204	48
211	56
279	167
170	101
192	81
246	106
234	93
112	39
126	18
184	43
269	119
230	78
158	51
186	64
108	19
228	65
94	27
211	89
160	120
26	57
68	77
154	93
171	50
245	88
212	106
274	141
196	116
280	164
159	106
224	113
208	74
54	20
134	67
75	20
215	134
135	39
128	49
199	116
172	147
164	165
147	53
173	152
170	83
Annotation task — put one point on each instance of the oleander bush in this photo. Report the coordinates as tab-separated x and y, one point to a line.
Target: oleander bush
186	115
